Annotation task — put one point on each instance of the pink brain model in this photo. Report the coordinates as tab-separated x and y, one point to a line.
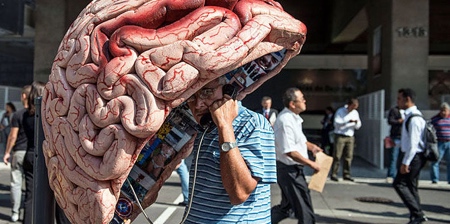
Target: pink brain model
120	69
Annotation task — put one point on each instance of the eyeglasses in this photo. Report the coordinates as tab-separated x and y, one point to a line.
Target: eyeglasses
203	94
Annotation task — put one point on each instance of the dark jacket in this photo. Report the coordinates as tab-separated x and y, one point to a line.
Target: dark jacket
396	126
270	112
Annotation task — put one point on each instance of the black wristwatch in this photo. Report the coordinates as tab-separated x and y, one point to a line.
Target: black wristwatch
226	146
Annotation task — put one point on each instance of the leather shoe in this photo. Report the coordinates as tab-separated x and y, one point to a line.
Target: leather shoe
334	179
349	179
418	220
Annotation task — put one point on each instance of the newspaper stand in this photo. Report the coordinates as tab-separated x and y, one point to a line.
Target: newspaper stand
43	199
176	131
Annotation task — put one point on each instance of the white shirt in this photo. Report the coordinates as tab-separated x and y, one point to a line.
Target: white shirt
413	138
289	136
272	117
402	113
342	125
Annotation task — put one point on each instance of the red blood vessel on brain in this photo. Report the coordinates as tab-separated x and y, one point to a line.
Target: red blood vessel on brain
120	70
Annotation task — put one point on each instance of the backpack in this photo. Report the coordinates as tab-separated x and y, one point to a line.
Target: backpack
431	150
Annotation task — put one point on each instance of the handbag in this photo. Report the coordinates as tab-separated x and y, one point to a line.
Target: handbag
388	142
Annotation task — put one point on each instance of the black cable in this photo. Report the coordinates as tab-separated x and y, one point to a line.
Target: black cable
139	204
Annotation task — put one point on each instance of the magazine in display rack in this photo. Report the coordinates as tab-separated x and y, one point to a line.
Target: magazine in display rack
178	128
251	72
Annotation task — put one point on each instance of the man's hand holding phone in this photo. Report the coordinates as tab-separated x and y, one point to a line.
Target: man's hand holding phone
224	111
228	92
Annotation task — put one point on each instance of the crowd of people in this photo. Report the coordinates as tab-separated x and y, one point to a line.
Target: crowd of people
293	152
241	153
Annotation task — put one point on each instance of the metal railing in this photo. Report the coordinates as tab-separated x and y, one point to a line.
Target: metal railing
43	198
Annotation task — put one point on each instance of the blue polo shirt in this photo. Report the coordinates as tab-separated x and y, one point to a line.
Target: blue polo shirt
211	204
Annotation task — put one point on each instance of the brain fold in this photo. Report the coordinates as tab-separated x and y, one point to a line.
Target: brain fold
121	69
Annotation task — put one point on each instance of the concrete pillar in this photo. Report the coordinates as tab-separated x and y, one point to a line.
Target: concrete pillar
399	42
410	47
50	28
53	18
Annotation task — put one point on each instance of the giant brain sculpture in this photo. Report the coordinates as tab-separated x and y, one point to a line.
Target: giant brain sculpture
120	69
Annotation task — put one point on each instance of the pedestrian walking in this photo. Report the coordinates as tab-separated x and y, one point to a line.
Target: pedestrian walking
411	159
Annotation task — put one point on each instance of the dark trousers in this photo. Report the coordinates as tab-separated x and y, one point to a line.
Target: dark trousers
28	170
406	184
343	145
28	167
326	144
295	195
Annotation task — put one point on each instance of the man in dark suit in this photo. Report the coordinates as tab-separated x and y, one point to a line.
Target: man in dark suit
267	111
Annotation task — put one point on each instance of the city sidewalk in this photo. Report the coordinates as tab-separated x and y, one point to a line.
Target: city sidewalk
367	200
5	201
370	199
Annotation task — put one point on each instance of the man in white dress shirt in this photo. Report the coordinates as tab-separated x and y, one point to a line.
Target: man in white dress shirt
346	121
291	148
411	158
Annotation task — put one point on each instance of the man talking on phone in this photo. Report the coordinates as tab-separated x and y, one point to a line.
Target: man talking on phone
346	121
236	160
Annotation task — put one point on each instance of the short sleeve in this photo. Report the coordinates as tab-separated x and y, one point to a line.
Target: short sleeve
257	146
15	120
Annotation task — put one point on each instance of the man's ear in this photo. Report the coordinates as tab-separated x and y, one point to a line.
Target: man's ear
409	100
291	104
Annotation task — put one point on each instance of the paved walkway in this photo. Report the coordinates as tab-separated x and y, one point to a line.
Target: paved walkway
367	200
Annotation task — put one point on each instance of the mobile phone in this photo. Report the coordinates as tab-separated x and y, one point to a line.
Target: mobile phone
230	90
